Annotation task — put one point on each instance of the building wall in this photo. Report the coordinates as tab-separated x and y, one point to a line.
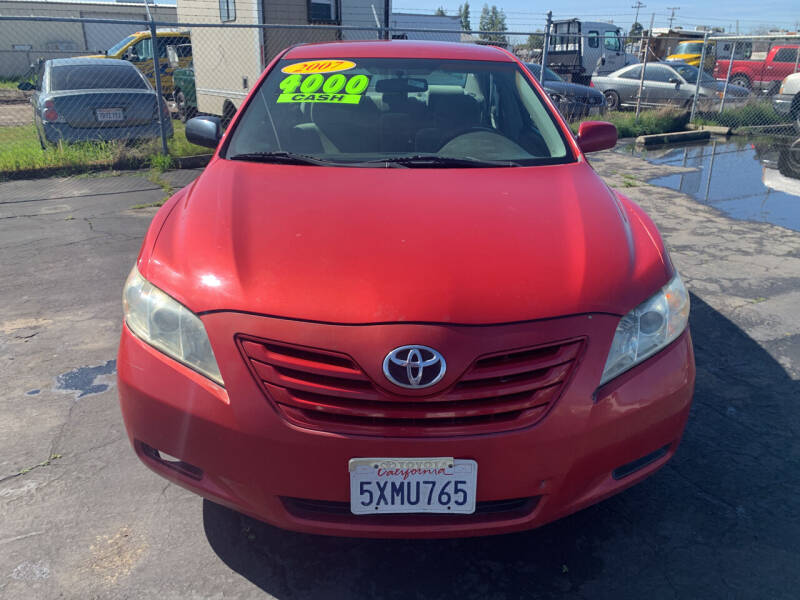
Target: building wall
24	42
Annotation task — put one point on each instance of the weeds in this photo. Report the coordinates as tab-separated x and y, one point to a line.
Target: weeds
665	120
750	114
20	151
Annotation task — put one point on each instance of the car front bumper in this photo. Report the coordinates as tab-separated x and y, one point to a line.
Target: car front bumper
237	450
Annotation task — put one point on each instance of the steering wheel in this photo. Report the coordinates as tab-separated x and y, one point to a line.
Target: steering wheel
468	130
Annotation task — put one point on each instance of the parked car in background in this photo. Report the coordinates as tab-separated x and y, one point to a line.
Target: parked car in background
665	84
138	49
787	101
82	99
691	51
573	100
761	75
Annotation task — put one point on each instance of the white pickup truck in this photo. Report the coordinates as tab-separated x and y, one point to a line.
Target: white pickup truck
787	101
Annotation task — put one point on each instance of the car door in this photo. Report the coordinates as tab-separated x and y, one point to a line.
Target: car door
626	84
662	86
782	65
613	51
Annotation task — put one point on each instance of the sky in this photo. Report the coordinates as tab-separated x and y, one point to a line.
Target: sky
523	15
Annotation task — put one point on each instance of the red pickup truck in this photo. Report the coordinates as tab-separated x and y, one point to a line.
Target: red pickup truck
761	75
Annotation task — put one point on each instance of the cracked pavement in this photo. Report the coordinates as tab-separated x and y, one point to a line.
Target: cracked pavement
719	521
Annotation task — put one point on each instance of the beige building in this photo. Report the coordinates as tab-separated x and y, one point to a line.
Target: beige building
24	42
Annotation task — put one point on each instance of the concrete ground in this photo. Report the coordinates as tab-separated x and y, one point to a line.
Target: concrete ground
81	518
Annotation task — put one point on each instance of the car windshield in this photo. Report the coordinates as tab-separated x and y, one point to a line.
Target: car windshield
689	48
413	112
96	77
120	45
548	74
689	73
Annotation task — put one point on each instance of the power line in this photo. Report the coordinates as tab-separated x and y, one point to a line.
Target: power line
637	6
672	16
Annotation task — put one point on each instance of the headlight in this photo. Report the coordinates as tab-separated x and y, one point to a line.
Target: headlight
648	328
783	85
167	325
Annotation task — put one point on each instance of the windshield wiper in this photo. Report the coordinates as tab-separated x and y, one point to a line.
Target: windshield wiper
281	156
433	160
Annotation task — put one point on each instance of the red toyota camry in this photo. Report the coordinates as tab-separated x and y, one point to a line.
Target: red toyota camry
400	303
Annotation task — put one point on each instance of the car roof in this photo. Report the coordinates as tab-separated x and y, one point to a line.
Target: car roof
399	49
78	60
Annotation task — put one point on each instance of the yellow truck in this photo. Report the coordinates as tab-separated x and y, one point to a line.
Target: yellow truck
138	49
690	52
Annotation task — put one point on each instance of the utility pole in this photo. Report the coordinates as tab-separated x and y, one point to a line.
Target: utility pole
637	6
672	16
160	102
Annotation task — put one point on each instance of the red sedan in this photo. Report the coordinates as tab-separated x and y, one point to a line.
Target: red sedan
400	303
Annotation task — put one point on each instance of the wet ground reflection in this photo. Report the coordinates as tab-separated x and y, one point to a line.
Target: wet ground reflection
753	180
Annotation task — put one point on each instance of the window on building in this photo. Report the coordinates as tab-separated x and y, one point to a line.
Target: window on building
323	11
227	10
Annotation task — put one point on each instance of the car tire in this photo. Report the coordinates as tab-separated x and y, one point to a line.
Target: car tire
740	80
612	100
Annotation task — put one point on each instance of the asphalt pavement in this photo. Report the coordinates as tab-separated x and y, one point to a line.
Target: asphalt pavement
80	517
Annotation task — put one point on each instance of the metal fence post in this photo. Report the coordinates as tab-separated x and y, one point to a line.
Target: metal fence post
546	44
644	67
157	77
700	72
728	77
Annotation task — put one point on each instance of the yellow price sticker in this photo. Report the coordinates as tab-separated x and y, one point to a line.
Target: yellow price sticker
318	66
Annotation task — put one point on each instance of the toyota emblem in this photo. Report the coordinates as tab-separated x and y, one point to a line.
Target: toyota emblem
414	367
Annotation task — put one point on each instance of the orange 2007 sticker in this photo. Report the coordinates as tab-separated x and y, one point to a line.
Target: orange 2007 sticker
319	66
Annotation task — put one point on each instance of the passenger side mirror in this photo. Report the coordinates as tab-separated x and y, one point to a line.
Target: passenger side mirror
204	131
594	136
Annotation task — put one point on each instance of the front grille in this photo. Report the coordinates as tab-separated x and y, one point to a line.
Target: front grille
326	390
339	512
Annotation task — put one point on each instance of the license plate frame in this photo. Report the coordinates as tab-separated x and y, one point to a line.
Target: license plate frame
454	488
106	115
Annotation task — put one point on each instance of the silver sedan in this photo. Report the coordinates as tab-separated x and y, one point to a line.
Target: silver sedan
665	84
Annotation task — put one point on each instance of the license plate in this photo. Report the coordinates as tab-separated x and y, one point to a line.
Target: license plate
109	114
412	485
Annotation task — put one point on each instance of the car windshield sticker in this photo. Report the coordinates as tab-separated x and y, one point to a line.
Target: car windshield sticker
335	89
319	66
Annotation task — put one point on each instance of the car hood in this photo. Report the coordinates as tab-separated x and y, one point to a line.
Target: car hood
368	245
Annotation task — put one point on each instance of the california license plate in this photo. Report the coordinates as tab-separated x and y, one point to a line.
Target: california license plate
412	485
109	114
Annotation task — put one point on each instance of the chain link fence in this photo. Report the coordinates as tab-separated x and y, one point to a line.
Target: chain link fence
62	102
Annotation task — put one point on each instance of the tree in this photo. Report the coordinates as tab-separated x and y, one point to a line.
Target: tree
493	20
440	12
535	41
636	32
463	12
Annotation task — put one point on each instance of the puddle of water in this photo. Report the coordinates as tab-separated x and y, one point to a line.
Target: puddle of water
751	181
85	379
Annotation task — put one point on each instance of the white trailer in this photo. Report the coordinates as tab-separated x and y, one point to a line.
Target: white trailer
228	61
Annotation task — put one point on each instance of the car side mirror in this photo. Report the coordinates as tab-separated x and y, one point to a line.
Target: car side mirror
596	135
674	80
25	86
204	131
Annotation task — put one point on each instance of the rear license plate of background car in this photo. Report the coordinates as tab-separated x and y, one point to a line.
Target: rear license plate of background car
412	485
109	114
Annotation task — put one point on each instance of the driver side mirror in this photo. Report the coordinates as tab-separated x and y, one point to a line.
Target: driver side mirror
674	80
25	86
595	135
204	131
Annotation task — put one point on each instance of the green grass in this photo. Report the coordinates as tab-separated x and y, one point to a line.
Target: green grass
649	122
9	84
20	151
748	115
